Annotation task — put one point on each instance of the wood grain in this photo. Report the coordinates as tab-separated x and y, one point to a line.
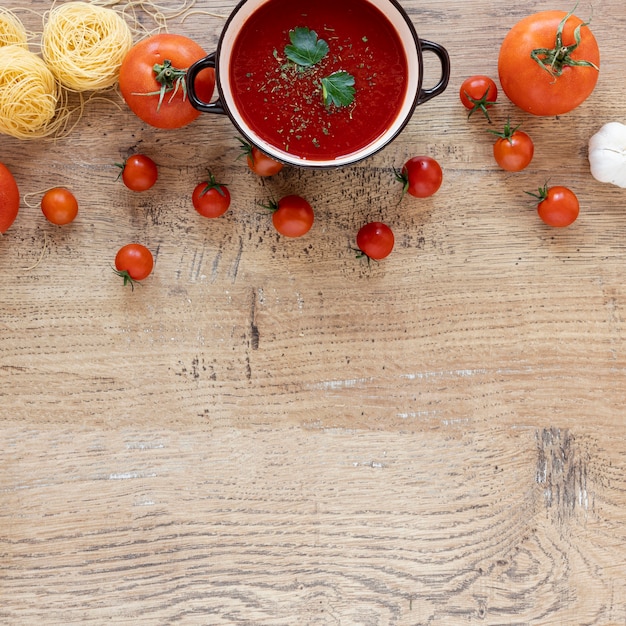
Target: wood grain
272	432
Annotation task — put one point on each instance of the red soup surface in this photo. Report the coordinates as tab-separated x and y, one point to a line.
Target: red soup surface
283	102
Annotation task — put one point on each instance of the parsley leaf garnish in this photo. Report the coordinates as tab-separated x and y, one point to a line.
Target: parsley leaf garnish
338	89
305	49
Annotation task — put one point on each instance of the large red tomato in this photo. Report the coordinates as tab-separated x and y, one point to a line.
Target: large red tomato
9	199
152	80
549	63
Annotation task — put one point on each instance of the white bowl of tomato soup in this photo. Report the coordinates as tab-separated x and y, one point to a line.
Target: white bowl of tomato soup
319	83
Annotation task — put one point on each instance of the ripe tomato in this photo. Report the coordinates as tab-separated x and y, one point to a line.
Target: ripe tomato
152	80
292	216
59	206
548	63
9	199
259	162
139	172
558	206
478	93
133	262
420	176
514	149
375	240
211	198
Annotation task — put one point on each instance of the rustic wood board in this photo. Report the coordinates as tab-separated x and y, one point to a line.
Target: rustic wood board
272	432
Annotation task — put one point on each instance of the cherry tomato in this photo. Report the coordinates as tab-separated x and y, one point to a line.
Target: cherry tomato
152	80
292	216
478	93
514	149
375	240
210	198
133	262
59	206
420	176
548	63
139	172
259	162
9	199
558	206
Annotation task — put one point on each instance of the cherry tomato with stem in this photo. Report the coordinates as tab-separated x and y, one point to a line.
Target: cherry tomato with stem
375	240
133	262
514	149
292	215
420	176
259	162
478	93
9	199
558	206
139	172
59	205
210	198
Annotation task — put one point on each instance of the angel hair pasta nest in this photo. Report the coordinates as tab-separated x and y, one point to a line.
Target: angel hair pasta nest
84	45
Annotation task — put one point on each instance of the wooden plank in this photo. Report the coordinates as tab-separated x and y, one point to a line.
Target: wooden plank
273	432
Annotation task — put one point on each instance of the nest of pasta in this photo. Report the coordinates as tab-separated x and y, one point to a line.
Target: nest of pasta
82	48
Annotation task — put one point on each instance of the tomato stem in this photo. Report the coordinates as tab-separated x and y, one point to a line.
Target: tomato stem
271	205
402	177
554	60
480	104
542	192
246	150
507	133
128	280
213	184
360	255
121	167
170	78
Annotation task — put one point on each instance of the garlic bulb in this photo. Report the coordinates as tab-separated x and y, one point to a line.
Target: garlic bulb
607	154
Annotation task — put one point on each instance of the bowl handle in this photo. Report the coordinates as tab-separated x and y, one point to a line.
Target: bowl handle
444	58
193	71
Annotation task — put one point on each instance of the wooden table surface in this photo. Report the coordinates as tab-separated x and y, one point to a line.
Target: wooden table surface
273	432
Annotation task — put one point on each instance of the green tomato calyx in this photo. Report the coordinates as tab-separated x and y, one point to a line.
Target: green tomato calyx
128	279
246	149
480	104
170	79
542	192
212	183
553	60
271	206
507	133
402	176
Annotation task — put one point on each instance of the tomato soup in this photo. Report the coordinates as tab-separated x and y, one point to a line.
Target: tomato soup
283	102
